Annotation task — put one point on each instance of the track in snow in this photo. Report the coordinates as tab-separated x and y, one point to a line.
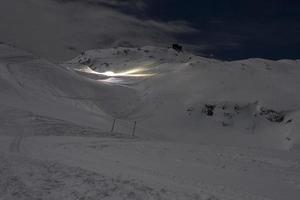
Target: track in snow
15	145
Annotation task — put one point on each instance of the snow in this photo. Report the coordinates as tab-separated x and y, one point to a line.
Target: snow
206	129
247	96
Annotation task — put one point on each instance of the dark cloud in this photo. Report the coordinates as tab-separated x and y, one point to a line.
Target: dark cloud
131	6
59	30
231	29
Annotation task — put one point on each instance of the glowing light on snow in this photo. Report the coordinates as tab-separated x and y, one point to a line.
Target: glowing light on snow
109	73
137	72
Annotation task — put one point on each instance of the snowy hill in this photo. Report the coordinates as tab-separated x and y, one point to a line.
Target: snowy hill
252	102
35	85
205	128
172	95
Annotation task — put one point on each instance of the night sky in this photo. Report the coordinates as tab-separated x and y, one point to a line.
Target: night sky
233	29
228	29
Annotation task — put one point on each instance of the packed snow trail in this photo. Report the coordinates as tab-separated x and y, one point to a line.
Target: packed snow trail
223	172
26	178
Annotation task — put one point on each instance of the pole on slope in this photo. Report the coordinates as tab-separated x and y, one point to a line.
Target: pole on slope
113	125
133	130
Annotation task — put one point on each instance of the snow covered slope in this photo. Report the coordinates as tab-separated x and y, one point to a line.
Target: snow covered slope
186	98
172	95
206	129
33	85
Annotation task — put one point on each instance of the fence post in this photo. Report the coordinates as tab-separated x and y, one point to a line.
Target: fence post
133	130
113	126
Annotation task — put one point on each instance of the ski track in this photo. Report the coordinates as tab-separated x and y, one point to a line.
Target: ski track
26	178
104	156
15	145
16	163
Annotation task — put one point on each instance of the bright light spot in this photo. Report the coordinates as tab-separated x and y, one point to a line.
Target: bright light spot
109	73
137	72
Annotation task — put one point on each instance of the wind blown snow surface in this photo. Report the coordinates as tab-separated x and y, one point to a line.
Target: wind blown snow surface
205	128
